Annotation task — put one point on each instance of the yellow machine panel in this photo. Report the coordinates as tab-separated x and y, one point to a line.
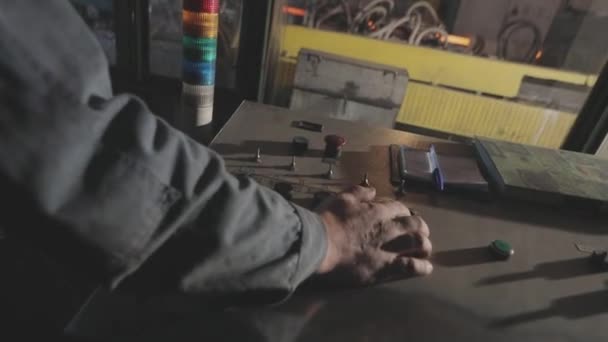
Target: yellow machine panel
447	91
468	114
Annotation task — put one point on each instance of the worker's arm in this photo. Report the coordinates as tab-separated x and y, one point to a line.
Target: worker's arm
119	182
122	195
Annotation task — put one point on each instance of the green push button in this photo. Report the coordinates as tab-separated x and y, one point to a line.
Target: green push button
501	249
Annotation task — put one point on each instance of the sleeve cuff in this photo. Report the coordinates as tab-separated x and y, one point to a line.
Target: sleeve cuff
313	247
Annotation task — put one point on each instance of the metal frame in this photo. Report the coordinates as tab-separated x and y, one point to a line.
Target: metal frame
141	31
254	44
591	125
128	25
122	15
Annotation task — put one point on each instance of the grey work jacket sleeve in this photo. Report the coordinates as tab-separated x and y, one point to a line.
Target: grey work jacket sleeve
149	205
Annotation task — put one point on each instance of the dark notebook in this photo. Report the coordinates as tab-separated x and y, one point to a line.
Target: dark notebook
543	174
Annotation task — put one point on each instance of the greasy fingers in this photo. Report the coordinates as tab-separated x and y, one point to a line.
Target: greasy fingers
404	267
412	266
372	240
391	210
414	244
362	194
348	198
422	247
419	266
413	224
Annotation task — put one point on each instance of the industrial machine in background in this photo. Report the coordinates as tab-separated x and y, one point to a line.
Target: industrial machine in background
348	89
509	69
517	70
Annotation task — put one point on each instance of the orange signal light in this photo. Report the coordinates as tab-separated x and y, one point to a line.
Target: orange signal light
457	40
295	11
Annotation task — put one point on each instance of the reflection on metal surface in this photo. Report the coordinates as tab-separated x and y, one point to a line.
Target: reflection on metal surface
376	314
555	270
571	307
